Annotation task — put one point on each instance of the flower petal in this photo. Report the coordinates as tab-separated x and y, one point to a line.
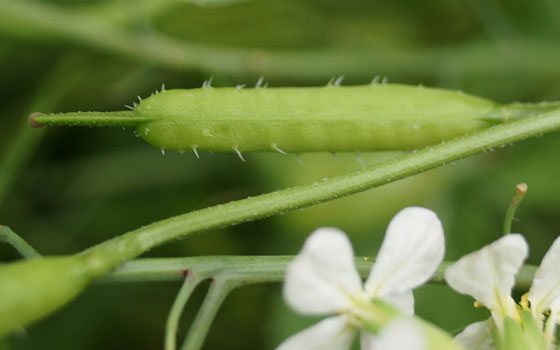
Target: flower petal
399	334
488	274
323	276
402	301
411	252
477	336
546	284
368	341
334	333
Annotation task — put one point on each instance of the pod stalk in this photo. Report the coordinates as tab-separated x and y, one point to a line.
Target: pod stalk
119	118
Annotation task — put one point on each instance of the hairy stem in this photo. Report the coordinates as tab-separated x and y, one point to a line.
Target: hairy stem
114	252
119	118
65	277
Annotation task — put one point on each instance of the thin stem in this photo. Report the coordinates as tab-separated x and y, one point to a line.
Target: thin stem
520	191
216	295
251	270
119	118
177	309
118	250
10	237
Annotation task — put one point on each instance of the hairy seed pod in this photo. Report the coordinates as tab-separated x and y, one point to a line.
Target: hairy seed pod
313	119
335	119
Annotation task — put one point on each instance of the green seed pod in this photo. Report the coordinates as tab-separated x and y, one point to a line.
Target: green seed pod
32	289
314	119
334	119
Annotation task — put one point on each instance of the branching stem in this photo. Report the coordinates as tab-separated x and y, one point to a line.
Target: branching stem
228	273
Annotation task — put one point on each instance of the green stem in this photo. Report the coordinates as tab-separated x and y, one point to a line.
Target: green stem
10	237
118	250
119	118
520	191
177	309
80	270
216	295
251	270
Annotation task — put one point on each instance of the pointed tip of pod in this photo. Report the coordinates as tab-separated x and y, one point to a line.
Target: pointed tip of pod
32	119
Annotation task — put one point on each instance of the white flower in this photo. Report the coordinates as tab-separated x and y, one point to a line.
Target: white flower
322	279
489	274
401	334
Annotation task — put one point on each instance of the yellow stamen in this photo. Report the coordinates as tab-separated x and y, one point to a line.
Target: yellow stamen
524	301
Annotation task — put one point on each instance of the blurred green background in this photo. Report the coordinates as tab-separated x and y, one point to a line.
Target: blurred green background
65	189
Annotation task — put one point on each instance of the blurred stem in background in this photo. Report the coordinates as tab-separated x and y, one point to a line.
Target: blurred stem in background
62	79
40	22
130	11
